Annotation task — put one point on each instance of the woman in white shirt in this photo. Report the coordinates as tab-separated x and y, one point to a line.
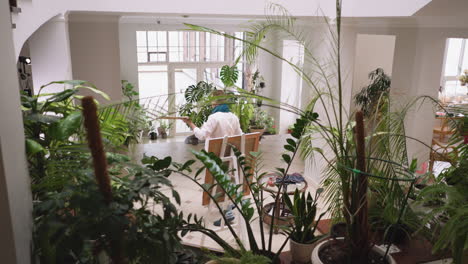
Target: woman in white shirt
220	123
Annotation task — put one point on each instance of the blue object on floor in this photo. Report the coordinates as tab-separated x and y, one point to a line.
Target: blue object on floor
228	214
291	179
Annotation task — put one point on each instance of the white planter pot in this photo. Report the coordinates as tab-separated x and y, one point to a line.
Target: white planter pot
300	253
315	254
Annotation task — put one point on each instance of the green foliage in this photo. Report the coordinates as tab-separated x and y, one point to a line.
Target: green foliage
243	108
374	96
304	210
229	75
52	125
136	117
454	232
261	119
76	224
247	257
128	90
234	192
197	106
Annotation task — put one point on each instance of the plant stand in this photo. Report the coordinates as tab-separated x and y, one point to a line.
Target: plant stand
282	216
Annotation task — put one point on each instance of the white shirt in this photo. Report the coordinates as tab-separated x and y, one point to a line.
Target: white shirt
219	124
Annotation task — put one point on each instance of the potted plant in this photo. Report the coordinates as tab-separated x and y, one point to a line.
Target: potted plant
163	129
235	193
261	121
153	132
302	236
453	234
345	187
464	78
374	96
103	214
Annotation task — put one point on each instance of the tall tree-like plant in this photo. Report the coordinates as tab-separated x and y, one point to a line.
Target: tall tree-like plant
374	96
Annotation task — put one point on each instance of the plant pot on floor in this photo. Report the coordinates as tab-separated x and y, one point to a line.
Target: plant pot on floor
153	135
280	221
317	253
162	132
257	129
301	253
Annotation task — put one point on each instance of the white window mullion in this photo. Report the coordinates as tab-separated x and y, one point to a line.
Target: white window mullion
460	60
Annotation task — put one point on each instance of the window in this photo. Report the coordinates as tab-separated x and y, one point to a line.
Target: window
183	46
456	61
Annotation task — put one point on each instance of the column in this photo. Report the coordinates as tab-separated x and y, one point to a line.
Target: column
15	194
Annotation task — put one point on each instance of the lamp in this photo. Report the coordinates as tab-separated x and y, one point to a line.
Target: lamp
24	59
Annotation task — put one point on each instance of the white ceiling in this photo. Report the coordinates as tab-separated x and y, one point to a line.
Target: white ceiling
447	8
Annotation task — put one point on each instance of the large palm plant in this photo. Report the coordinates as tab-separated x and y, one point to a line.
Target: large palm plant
332	137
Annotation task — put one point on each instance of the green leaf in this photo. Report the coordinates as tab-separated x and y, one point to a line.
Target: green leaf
176	196
296	134
187	165
40	118
286	158
60	97
32	147
69	125
229	75
207	186
290	148
96	91
291	142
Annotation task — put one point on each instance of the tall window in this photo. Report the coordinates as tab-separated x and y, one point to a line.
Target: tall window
183	46
456	61
170	61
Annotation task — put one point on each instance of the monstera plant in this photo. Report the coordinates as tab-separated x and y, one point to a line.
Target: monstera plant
197	107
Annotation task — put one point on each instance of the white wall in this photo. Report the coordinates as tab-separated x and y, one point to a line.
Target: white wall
128	53
50	55
291	82
270	68
15	195
94	47
372	52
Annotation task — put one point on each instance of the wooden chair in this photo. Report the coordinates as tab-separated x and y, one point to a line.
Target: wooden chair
444	129
441	152
246	143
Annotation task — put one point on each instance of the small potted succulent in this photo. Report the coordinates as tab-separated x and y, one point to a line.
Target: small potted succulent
153	134
464	78
302	238
163	129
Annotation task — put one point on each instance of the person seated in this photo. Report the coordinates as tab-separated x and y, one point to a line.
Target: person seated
221	122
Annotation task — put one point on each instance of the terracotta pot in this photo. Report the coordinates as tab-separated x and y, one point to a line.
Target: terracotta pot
280	221
300	253
316	259
259	130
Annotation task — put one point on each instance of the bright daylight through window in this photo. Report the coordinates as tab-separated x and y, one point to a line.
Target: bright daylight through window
454	90
170	61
